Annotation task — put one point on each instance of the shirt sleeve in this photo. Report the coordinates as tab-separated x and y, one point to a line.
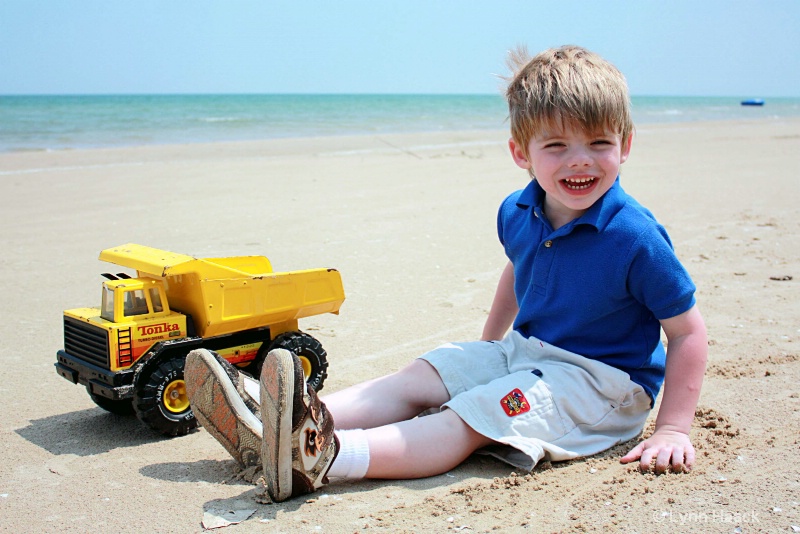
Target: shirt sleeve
503	213
656	277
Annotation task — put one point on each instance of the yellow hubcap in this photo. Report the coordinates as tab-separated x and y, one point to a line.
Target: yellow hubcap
306	366
175	399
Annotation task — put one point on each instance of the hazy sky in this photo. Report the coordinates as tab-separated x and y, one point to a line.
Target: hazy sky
697	47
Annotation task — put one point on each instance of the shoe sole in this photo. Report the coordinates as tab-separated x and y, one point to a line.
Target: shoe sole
277	392
220	409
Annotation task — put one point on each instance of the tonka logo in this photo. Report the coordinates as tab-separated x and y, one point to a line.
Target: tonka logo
158	329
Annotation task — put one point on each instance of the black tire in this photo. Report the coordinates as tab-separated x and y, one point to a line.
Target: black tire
160	399
117	407
310	352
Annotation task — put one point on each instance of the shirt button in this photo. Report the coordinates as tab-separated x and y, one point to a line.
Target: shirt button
548	243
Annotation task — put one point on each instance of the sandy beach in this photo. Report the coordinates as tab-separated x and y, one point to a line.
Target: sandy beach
409	220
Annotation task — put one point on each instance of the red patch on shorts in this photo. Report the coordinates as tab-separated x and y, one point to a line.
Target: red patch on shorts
515	403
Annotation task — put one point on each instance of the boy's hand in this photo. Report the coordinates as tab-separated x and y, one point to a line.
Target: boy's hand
670	448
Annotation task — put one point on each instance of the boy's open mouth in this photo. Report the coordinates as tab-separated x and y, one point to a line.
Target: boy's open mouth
578	184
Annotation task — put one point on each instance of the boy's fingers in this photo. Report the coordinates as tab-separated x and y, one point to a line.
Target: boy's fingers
633	454
689	457
647	459
678	460
663	459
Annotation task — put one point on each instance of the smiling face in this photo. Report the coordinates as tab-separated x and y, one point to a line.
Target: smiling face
574	167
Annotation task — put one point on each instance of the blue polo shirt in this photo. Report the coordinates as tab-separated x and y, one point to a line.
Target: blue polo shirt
598	285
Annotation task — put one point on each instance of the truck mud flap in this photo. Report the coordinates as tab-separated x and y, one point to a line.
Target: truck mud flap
118	393
109	384
66	372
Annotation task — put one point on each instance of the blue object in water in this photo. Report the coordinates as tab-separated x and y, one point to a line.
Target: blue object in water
753	102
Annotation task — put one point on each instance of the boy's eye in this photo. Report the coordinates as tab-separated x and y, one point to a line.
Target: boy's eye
553	145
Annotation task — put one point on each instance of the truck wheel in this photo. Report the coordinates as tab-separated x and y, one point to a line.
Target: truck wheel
311	354
160	399
117	407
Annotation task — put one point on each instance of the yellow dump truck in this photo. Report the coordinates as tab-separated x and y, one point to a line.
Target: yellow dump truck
130	352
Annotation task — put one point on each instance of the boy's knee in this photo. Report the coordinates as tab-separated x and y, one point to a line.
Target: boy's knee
420	376
456	426
421	369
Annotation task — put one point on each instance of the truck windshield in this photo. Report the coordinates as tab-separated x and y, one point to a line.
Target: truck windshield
135	303
107	311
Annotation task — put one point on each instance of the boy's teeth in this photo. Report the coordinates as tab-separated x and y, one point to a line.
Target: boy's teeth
578	183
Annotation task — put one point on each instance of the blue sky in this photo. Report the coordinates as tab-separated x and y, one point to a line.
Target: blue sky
699	47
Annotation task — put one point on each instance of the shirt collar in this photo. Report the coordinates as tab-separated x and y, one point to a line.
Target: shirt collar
598	216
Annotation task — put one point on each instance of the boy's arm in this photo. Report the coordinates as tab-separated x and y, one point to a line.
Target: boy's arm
687	350
504	307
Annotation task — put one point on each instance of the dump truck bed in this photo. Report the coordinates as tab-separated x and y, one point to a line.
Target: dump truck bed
225	295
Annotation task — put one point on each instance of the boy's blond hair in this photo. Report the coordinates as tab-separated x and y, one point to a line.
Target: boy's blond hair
566	86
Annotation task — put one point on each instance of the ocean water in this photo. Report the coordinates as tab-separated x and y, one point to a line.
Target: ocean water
38	123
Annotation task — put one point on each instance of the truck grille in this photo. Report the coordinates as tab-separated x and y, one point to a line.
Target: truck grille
86	342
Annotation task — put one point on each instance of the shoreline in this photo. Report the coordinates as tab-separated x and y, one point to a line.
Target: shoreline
343	145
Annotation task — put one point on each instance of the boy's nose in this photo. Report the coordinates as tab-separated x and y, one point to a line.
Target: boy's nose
579	157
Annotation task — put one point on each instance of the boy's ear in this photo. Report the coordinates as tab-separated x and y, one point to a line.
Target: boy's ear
626	148
518	155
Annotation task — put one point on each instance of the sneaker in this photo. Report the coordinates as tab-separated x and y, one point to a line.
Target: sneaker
299	444
245	385
217	395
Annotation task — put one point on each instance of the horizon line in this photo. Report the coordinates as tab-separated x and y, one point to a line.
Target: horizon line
360	94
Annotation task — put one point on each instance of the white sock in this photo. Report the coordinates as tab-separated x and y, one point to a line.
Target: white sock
353	458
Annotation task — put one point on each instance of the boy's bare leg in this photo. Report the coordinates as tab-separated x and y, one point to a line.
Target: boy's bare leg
301	449
421	447
401	445
396	397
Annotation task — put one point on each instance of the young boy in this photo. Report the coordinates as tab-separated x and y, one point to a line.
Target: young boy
591	280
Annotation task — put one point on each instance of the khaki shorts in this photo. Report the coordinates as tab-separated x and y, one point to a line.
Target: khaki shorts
538	401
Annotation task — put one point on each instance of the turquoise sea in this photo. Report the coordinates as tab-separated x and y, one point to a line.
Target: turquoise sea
37	123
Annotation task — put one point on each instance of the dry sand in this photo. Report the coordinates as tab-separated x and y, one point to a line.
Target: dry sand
410	223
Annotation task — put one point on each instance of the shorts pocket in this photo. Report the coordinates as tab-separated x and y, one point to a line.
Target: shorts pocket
517	405
543	421
583	398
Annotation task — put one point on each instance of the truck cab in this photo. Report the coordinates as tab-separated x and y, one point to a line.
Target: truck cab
133	297
137	314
